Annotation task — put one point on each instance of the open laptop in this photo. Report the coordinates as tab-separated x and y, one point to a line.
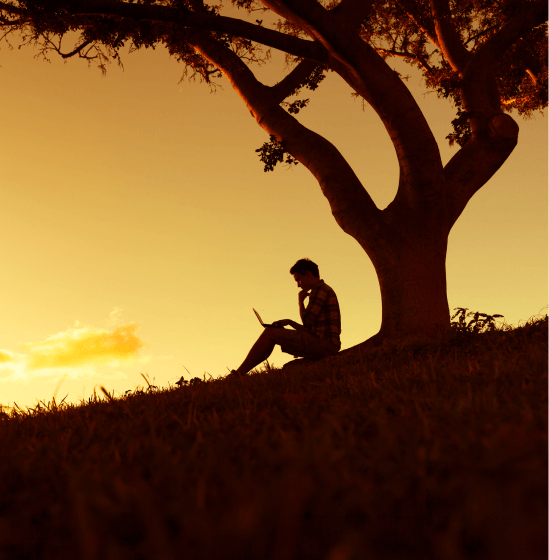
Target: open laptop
265	324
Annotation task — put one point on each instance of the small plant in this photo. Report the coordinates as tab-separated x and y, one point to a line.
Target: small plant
106	393
481	322
183	382
150	386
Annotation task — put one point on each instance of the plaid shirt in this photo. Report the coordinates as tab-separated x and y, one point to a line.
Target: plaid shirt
322	316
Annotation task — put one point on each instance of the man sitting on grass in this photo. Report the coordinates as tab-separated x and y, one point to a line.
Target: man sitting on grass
317	337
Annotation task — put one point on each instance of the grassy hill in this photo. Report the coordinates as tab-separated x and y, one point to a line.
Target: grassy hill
434	451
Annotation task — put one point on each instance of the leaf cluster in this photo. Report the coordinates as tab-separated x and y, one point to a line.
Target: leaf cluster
295	106
461	128
272	152
100	39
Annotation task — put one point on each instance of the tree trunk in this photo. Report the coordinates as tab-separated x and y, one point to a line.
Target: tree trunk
413	290
410	264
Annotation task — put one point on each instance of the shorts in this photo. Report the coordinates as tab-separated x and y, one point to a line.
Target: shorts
302	344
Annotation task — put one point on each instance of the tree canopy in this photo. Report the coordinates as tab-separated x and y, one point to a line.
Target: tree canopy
435	36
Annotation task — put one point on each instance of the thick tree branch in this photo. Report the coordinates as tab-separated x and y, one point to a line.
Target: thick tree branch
473	166
300	13
222	24
421	182
351	205
448	38
290	83
286	43
494	133
351	13
475	85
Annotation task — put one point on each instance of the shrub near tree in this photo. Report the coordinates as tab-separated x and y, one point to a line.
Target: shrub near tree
487	57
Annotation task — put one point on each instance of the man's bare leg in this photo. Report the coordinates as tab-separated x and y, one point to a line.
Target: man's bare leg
260	351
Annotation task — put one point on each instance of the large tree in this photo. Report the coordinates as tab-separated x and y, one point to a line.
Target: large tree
487	57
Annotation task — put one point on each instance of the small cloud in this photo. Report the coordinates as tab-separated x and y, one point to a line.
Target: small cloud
85	345
5	357
12	366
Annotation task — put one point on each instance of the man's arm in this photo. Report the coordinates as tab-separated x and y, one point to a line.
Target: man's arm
316	302
309	314
302	295
290	323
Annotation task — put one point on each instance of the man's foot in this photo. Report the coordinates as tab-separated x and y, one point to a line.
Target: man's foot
234	374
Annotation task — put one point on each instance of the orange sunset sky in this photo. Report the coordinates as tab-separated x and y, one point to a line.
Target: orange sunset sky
139	228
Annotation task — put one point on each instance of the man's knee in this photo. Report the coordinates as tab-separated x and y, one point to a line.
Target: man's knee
273	333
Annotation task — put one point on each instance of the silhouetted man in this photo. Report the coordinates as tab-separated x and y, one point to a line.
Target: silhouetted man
317	337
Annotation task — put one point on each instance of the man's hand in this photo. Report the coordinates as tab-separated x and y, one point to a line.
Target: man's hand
283	322
302	295
290	323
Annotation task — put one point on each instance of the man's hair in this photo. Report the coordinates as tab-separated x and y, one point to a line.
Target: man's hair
304	265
